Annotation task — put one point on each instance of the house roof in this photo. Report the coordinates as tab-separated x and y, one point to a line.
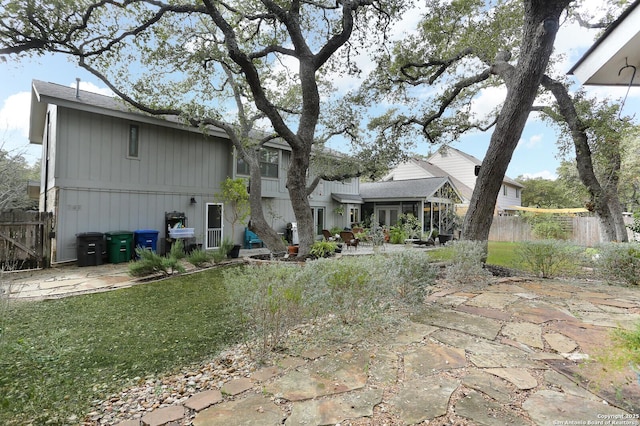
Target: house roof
436	171
347	198
43	93
396	190
477	162
604	63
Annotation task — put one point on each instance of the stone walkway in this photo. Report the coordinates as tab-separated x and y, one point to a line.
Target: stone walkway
506	354
509	353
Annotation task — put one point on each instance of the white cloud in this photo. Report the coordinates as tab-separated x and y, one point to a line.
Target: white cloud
90	87
533	142
488	100
14	115
544	174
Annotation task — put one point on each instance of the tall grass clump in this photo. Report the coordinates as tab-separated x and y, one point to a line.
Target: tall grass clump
267	301
199	258
149	262
548	258
410	274
620	262
466	265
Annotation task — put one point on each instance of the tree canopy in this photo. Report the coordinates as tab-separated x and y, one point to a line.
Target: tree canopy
180	58
466	46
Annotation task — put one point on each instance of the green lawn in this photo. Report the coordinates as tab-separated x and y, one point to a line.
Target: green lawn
57	356
500	253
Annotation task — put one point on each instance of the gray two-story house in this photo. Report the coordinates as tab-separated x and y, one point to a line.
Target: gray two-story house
107	168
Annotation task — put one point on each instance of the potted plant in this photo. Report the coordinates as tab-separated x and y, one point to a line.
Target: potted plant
233	193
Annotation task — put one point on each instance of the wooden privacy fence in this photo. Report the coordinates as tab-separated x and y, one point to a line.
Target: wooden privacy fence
25	239
584	231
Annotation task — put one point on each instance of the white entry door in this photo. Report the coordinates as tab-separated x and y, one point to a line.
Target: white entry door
214	226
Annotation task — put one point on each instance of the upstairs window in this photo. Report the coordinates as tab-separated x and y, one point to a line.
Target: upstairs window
134	144
504	190
269	164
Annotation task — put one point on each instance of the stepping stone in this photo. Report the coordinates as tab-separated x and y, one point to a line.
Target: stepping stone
421	400
485	413
485	354
560	343
493	300
524	332
567	385
611	320
412	333
333	411
237	386
253	410
540	313
135	422
485	312
589	338
313	353
546	407
291	362
467	323
614	303
162	416
431	358
331	375
383	368
521	378
202	400
265	373
489	385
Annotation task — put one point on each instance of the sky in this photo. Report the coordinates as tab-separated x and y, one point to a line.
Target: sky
535	156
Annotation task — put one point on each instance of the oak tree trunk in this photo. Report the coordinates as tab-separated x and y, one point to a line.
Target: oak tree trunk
541	21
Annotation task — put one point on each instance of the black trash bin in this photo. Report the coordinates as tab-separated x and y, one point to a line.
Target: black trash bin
90	248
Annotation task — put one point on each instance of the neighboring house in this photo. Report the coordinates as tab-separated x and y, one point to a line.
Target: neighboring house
461	168
614	58
432	200
106	167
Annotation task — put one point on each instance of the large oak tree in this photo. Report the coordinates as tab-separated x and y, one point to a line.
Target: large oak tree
463	47
181	58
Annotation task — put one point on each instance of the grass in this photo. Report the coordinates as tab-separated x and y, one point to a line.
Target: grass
57	356
500	253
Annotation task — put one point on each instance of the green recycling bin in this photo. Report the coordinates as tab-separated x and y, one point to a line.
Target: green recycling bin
119	246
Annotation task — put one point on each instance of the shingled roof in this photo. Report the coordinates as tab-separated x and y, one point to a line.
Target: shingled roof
411	189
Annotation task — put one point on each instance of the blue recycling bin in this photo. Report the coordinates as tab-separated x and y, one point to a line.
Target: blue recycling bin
146	239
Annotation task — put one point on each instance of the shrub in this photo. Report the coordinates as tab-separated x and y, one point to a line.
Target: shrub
226	245
397	235
547	258
620	262
411	226
410	274
467	262
150	263
198	258
323	248
267	300
177	250
546	226
549	230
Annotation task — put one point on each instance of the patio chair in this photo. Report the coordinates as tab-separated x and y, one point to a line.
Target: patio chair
327	235
349	239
